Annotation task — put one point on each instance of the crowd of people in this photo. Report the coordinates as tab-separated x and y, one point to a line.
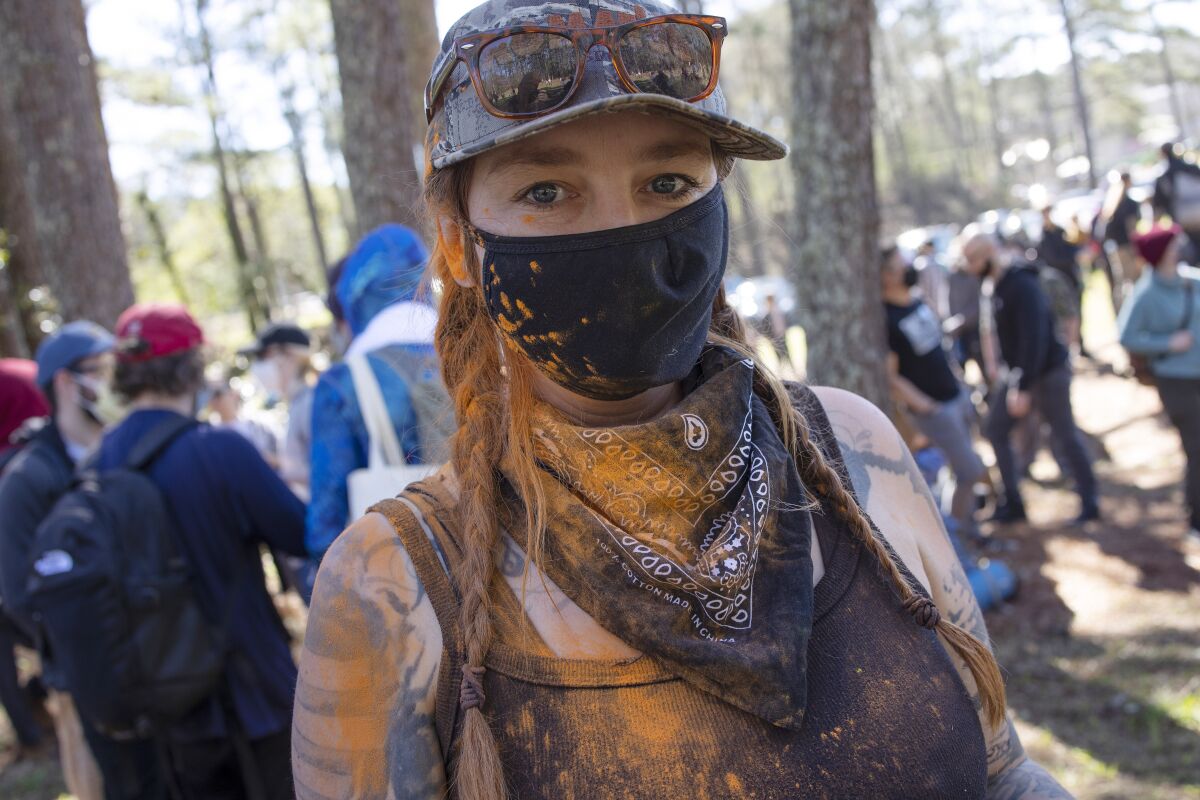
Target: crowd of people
639	527
236	489
1013	306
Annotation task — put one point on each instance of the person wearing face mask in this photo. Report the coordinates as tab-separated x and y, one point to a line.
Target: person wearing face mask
224	502
648	569
74	366
925	383
280	363
1036	373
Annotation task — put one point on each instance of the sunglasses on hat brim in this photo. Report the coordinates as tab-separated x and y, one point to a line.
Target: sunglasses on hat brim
525	71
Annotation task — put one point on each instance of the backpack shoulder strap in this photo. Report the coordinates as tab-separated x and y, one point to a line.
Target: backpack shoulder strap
1189	303
156	440
419	516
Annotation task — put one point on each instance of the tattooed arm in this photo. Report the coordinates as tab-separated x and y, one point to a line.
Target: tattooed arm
893	493
363	725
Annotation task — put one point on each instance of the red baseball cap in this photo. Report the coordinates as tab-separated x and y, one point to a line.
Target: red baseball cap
154	330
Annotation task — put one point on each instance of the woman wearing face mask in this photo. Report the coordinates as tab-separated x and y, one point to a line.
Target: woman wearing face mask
705	610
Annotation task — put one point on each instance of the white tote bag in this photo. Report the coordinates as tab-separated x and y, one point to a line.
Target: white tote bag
386	473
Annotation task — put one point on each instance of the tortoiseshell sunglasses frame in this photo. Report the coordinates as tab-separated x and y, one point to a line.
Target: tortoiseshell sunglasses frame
467	49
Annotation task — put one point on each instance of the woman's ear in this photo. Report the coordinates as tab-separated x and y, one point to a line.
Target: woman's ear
450	241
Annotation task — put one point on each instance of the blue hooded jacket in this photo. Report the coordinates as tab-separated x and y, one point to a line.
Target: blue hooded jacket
384	269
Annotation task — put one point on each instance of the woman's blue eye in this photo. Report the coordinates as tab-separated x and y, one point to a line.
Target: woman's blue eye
544	193
666	184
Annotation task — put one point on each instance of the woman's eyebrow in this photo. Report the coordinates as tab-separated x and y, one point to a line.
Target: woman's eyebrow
671	149
537	157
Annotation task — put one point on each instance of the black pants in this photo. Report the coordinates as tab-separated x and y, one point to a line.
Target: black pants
13	697
131	770
1052	399
1181	399
213	769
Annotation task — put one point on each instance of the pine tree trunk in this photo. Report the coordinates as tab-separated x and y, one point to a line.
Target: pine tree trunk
52	105
18	240
1081	101
257	313
385	51
166	257
835	266
296	126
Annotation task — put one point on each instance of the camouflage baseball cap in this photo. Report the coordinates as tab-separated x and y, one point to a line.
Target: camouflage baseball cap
461	127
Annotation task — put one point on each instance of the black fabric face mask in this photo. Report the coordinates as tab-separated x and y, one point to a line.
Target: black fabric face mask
612	313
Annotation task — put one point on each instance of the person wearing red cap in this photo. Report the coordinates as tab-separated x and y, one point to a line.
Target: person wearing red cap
225	501
1160	322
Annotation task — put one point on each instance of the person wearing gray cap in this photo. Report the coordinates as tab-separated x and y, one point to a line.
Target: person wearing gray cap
705	608
74	368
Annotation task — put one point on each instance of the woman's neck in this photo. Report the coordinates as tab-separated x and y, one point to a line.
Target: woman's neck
585	411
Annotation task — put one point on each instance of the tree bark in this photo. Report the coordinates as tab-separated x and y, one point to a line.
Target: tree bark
18	240
158	233
257	314
385	49
52	105
1081	101
1164	59
835	267
296	126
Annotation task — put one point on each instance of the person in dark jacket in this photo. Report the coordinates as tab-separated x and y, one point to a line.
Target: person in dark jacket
225	502
20	402
1037	374
924	382
73	366
1119	218
1177	202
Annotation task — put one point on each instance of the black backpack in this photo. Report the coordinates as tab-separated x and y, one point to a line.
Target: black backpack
111	592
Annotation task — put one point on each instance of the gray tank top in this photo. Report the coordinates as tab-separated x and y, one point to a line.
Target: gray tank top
887	714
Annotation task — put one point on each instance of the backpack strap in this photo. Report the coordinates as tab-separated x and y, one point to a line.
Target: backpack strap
151	445
417	517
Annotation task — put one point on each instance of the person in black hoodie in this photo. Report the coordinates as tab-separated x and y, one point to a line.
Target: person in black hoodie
73	370
1037	373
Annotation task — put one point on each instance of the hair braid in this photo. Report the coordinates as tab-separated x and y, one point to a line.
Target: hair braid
817	474
471	367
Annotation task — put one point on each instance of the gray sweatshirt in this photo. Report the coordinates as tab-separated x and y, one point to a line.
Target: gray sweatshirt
1153	313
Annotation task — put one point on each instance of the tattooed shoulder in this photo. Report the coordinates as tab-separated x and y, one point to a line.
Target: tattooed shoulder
869	443
364	716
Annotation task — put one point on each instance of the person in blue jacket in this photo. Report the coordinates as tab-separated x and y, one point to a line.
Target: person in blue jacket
225	502
390	323
1161	322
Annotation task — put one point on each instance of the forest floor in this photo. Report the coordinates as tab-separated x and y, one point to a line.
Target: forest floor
1101	646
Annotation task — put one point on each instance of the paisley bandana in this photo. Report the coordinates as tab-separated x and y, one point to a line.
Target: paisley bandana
688	537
